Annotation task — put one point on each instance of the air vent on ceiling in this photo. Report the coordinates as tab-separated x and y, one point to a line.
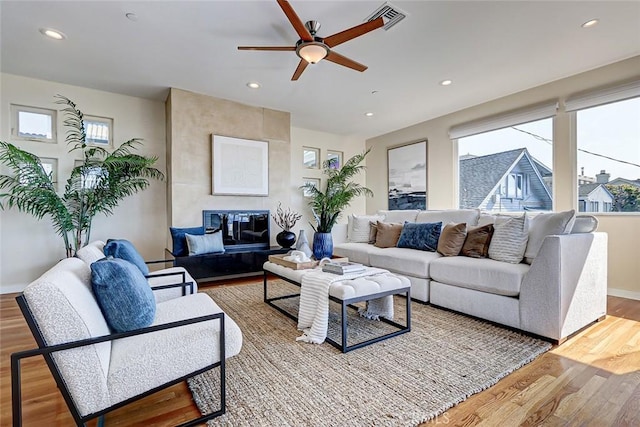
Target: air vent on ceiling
391	15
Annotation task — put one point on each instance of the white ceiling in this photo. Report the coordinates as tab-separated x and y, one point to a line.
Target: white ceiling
488	48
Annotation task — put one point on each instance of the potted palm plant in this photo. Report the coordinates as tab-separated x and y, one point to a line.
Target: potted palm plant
95	186
328	205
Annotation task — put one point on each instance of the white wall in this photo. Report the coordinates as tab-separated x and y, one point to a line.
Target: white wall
324	141
29	247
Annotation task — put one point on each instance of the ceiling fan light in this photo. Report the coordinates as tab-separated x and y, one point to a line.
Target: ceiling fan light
312	52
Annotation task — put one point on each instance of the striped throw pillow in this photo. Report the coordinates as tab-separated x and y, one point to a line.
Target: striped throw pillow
509	239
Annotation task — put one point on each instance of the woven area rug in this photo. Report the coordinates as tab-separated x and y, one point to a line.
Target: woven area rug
402	381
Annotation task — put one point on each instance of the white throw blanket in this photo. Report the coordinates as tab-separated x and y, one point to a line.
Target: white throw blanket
313	313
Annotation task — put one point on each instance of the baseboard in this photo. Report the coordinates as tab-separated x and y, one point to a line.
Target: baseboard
623	293
12	289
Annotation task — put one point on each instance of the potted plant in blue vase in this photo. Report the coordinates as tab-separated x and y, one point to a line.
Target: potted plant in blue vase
328	205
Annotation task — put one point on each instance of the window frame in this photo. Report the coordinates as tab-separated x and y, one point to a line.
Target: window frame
99	120
16	109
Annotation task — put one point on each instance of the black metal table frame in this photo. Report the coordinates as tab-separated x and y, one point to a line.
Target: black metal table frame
402	329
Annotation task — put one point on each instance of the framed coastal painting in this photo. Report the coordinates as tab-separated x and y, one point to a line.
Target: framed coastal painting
240	166
407	176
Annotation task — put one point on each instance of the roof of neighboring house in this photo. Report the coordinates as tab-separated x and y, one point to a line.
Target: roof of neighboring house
585	189
482	173
621	181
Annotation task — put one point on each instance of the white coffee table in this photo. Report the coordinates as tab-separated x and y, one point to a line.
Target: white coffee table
346	293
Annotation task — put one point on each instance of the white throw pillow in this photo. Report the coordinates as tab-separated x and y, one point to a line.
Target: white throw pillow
399	216
547	224
585	224
509	239
359	227
91	253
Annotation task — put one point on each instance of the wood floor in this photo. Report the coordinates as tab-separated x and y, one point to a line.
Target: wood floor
593	379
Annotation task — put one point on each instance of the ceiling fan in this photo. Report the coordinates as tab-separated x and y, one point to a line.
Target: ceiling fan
311	48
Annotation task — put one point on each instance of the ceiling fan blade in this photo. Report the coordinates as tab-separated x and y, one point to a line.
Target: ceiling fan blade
344	61
301	66
352	33
287	48
295	21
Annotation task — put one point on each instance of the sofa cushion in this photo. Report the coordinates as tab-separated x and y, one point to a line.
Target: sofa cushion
585	224
359	227
124	249
388	234
356	252
401	216
179	242
210	243
509	239
545	224
123	294
484	275
452	239
146	361
91	253
468	216
476	244
404	261
421	236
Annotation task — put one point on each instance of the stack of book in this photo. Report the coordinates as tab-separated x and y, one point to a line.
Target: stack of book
343	267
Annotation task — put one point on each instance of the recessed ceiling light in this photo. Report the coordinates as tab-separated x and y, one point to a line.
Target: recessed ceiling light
54	34
368	114
131	16
590	23
253	85
446	82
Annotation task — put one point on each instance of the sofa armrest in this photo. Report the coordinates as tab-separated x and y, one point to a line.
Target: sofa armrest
566	286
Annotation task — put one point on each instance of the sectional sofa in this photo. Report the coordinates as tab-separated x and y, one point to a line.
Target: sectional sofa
563	289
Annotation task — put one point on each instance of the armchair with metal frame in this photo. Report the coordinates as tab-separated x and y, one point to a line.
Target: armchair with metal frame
77	346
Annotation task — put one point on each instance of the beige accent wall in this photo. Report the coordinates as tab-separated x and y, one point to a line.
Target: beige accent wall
29	247
191	120
442	180
324	141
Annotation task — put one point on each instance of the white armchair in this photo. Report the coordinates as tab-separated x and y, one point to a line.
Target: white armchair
98	371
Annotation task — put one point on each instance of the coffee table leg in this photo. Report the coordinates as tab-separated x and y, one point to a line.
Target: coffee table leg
265	287
344	327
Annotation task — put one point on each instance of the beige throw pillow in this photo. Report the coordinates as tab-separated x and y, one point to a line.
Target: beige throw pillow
452	239
388	234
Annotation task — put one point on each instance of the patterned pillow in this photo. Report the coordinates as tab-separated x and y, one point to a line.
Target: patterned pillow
476	244
358	228
124	249
452	239
206	244
509	239
123	294
388	234
420	235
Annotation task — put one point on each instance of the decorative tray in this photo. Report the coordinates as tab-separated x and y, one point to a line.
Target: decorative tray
279	259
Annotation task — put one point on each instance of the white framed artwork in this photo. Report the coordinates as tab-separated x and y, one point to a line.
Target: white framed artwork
240	166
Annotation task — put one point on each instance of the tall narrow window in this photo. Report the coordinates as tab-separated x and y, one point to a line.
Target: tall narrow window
608	138
98	130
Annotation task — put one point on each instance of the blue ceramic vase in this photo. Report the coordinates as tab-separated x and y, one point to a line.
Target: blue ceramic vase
322	245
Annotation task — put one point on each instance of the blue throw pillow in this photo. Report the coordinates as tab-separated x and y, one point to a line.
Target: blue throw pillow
124	249
420	235
123	294
209	243
180	242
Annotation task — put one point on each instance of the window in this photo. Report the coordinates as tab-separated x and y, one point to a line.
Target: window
608	143
311	157
335	157
594	207
98	130
608	140
509	169
33	124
